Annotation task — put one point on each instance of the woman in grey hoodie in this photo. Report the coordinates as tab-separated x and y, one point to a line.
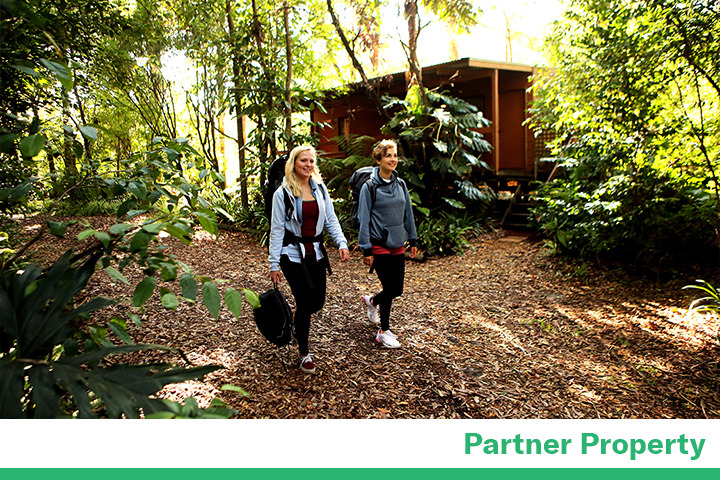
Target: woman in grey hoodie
386	224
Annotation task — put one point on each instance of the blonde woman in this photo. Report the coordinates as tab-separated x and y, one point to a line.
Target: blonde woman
301	209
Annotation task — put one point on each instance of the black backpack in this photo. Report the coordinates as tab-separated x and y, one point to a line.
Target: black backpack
360	177
274	318
275	176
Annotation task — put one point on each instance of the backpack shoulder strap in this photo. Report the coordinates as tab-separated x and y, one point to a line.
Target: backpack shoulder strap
372	189
289	205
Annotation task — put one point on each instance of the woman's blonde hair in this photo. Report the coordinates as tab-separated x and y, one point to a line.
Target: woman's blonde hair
291	179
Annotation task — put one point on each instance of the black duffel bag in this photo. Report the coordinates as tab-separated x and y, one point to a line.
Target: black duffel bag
274	317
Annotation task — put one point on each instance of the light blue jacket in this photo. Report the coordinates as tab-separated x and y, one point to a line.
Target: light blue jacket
278	225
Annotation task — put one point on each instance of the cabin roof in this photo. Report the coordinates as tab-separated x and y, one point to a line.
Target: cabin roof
442	71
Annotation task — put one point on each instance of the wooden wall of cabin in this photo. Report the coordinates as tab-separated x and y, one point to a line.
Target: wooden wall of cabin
515	153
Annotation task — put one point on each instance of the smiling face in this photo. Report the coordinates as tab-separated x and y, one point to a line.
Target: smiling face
388	162
304	165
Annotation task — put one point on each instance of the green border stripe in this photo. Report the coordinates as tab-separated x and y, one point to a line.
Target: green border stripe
358	473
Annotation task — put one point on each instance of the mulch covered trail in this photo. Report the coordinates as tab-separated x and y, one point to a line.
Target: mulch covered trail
502	332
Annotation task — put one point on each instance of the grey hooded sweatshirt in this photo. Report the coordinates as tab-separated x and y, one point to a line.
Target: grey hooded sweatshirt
389	221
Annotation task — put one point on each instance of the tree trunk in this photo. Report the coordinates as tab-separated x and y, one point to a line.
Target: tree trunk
289	77
411	14
69	158
237	80
369	88
268	147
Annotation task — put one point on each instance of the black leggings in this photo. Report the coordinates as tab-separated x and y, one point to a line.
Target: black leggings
307	300
391	272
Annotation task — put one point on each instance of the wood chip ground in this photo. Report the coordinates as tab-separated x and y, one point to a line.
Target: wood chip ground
502	332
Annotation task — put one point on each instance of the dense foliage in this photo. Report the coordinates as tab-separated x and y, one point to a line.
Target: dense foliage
90	126
634	99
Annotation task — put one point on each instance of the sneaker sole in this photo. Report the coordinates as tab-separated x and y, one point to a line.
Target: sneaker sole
307	371
386	345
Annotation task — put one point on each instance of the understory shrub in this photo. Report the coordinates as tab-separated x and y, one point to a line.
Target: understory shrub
254	222
90	208
638	216
448	234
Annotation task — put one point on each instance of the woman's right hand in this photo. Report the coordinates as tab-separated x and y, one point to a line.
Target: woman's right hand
368	260
276	276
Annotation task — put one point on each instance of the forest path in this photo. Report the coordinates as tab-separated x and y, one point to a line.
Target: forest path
502	332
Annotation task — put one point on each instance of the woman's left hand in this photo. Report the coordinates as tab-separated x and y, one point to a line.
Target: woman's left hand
344	255
413	252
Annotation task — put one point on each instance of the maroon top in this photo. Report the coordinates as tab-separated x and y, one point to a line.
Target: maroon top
310	214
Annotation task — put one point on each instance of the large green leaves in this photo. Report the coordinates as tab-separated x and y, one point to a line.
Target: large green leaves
628	98
233	300
124	390
31	145
443	144
211	298
143	291
36	314
38	317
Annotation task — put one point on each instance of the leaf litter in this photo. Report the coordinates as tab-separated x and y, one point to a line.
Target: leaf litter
501	332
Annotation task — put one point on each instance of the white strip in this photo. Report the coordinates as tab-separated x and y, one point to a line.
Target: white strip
358	443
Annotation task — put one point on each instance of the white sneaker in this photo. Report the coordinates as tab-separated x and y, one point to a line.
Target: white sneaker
388	339
306	363
372	310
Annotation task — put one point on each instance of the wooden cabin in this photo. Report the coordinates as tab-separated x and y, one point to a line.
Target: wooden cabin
500	90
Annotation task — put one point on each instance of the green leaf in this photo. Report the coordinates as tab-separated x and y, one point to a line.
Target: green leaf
161	416
91	133
119	228
140	241
85	234
189	286
44	392
562	238
125	207
178	233
121	333
170	301
168	272
454	203
233	300
7	142
153	228
103	238
208	222
124	389
252	298
28	70
58	228
12	379
61	71
16	193
135	213
234	388
211	298
135	319
144	291
31	145
114	274
138	189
